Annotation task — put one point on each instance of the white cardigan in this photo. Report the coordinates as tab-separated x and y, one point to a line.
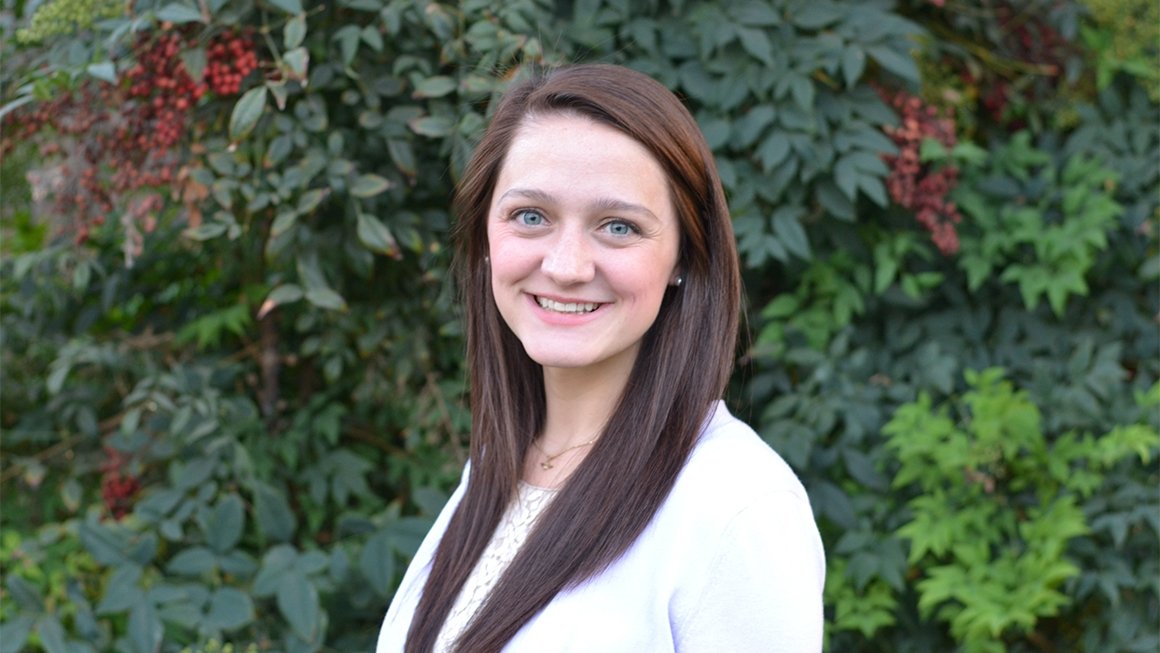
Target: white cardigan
732	562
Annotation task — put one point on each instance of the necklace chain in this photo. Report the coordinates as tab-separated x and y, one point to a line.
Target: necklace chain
546	463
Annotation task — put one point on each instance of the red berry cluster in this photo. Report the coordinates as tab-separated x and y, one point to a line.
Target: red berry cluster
118	487
230	59
164	90
917	186
104	143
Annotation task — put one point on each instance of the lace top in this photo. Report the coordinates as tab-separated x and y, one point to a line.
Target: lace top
509	536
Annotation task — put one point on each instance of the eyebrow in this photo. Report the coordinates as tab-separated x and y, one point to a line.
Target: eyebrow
600	203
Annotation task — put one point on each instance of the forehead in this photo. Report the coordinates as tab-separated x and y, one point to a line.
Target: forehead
572	154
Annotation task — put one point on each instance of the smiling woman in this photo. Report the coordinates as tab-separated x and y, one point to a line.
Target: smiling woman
583	244
611	502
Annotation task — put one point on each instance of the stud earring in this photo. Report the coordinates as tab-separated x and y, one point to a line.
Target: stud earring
680	280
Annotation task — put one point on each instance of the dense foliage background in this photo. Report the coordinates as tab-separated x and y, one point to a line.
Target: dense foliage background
233	389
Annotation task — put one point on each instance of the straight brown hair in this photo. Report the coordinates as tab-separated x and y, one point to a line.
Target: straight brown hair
682	367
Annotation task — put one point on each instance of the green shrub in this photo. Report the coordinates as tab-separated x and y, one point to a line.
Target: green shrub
233	382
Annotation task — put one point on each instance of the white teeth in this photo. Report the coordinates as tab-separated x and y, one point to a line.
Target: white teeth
560	307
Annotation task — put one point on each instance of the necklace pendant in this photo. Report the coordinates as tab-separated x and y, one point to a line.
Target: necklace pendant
546	465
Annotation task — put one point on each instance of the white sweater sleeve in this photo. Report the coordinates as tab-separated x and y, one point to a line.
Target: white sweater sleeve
762	591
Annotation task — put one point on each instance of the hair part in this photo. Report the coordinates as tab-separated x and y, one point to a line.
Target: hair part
682	367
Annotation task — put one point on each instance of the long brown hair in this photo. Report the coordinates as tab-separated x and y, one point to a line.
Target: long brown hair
682	366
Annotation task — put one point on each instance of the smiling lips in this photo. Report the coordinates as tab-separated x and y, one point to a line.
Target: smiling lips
573	308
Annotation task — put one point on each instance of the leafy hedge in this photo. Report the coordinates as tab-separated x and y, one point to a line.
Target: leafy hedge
233	384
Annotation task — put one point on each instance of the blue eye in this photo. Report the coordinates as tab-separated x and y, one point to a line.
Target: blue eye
529	218
621	228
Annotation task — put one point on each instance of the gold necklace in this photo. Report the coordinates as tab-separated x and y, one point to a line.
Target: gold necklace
546	463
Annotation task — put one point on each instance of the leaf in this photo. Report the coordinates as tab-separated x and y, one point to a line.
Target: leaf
348	41
297	600
757	44
326	298
103	70
247	112
230	609
194	60
753	13
275	519
14	632
145	628
433	126
403	155
294	32
122	591
179	12
311	199
375	236
900	64
773	150
853	63
286	293
372	36
434	87
377	562
226	524
788	229
283	222
193	561
25	593
296	62
816	15
51	634
369	185
293	7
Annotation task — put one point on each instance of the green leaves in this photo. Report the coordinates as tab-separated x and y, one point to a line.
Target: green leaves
1038	227
995	510
275	519
247	112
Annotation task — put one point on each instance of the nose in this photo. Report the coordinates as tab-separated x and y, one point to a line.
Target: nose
569	259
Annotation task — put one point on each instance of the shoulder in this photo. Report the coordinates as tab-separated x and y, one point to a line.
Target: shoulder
747	525
733	470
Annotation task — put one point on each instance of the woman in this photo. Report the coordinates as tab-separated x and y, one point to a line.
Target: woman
611	502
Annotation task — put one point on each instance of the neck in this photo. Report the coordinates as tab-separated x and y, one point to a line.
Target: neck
580	401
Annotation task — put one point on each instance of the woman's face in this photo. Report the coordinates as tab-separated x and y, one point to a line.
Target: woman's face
583	242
